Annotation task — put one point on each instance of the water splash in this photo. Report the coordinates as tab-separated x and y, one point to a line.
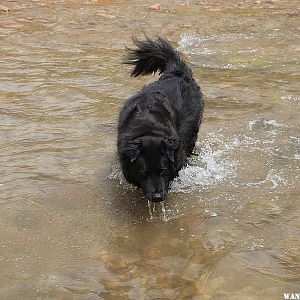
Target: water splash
211	167
156	214
219	159
153	209
163	209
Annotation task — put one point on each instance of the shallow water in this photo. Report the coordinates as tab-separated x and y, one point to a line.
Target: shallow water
72	228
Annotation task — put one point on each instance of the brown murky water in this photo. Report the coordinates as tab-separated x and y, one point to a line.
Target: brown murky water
71	228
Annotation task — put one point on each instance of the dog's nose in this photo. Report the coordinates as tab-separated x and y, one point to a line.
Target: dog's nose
157	197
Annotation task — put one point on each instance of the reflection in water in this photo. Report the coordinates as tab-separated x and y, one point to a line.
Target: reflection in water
72	228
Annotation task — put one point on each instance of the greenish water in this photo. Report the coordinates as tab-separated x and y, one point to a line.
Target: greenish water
72	228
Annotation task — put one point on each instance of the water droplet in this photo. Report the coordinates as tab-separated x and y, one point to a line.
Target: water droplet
163	209
150	210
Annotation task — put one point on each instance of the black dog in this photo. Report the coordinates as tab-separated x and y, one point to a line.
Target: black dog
158	127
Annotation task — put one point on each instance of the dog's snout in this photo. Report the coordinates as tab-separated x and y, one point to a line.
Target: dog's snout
157	197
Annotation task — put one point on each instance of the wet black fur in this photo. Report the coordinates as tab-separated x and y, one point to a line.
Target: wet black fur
158	126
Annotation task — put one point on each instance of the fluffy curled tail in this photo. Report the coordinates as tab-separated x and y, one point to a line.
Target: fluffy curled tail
151	56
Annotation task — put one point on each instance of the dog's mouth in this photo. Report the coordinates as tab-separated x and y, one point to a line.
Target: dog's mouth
156	197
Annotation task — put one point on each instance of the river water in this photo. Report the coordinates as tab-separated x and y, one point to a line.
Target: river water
72	228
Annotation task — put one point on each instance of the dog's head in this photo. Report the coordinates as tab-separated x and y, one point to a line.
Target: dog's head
149	162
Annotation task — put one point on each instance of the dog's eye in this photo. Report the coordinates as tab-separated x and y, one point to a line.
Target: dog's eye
163	172
145	174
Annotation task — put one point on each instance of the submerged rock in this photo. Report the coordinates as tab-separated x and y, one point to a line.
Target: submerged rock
155	7
4	8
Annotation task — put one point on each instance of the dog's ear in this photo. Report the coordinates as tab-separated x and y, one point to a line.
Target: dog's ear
132	150
170	146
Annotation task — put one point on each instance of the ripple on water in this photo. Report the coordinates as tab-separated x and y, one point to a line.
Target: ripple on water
231	51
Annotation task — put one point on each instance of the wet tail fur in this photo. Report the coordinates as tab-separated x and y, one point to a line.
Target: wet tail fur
155	56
